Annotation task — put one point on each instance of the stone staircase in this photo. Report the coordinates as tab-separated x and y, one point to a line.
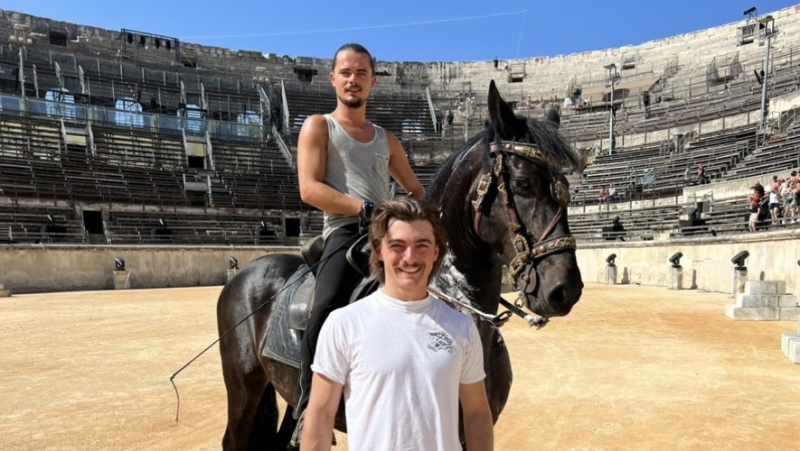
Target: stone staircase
764	301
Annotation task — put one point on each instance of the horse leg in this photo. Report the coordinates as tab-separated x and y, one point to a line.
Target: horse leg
263	434
287	428
252	406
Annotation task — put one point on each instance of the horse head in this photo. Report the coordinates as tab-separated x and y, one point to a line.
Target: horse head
519	203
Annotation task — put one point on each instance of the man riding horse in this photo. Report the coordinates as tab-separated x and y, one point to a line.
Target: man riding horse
503	201
343	164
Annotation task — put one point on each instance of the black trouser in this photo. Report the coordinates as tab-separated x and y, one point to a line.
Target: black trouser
336	280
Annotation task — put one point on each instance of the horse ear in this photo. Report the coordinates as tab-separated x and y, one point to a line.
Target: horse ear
501	115
553	117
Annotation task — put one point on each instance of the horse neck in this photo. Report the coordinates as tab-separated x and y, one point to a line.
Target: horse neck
471	270
476	279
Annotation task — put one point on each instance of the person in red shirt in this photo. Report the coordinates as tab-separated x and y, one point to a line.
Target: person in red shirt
603	197
754	200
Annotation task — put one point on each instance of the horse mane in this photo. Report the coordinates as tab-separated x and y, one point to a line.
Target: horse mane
442	176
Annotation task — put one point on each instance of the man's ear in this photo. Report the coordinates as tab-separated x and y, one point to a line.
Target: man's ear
330	78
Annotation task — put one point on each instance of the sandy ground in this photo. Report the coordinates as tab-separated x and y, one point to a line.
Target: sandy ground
630	368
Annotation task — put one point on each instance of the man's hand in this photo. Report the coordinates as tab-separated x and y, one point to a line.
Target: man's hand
365	216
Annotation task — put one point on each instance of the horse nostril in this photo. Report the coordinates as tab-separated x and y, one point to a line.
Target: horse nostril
563	296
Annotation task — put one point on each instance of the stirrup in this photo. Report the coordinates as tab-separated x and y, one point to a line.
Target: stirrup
297	434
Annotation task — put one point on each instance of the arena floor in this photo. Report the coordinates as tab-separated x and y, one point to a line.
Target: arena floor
631	368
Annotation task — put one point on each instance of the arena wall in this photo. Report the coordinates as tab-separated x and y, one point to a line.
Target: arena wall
706	261
29	269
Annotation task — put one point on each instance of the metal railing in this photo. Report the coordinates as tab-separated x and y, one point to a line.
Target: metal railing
150	122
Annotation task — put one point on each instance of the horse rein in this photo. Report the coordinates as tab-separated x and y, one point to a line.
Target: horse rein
528	249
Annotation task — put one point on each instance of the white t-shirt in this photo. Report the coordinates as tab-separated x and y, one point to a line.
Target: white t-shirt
401	364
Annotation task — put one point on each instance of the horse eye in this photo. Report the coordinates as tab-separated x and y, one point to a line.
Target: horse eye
522	183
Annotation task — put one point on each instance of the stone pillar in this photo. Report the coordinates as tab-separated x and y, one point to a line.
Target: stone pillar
122	280
675	278
231	272
3	292
611	275
739	279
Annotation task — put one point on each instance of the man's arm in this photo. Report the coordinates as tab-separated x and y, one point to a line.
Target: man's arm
312	154
478	428
401	169
320	414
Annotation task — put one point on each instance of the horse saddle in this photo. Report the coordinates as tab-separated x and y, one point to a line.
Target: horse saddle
294	304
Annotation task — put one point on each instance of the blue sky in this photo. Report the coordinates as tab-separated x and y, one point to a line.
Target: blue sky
413	30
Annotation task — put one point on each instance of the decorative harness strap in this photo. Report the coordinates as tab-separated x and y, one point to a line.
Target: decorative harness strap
497	181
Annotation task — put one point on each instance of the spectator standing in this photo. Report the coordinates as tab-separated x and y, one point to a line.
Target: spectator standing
754	201
774	202
701	175
796	201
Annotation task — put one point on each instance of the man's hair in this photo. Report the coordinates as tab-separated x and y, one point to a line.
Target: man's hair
407	210
357	48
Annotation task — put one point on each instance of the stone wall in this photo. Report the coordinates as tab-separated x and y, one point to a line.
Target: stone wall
706	262
29	269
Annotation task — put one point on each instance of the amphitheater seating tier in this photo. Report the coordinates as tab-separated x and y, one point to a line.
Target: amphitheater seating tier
250	180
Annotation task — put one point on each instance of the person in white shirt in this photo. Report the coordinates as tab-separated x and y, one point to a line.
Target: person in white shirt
402	359
774	202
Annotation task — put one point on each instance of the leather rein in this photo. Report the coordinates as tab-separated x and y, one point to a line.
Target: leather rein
528	249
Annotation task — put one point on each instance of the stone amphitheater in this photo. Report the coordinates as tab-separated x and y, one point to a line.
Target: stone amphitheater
175	156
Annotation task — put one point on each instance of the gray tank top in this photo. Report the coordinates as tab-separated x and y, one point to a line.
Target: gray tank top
360	170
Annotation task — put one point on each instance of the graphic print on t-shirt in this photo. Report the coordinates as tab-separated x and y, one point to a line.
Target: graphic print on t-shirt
440	341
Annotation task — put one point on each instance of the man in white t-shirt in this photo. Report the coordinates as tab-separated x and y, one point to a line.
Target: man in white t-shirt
402	359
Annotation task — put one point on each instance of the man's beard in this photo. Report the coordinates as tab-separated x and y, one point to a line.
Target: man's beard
352	103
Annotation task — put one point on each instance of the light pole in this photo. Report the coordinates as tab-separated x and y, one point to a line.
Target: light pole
613	76
766	30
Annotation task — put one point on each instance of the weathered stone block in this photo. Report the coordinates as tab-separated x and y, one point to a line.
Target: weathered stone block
756	300
231	273
765	287
739	281
122	280
675	279
794	351
752	313
611	275
3	292
787	301
789	314
786	338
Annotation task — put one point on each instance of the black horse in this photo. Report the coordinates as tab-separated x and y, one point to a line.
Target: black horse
503	201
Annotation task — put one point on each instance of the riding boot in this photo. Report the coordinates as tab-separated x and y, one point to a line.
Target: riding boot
336	279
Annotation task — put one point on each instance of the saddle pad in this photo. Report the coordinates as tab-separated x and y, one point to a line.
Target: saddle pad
281	343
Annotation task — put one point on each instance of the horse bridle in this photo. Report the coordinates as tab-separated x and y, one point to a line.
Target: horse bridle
527	248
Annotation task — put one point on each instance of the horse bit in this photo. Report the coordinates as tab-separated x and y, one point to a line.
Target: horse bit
527	248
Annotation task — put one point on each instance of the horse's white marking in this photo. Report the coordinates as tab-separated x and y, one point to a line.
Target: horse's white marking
453	282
